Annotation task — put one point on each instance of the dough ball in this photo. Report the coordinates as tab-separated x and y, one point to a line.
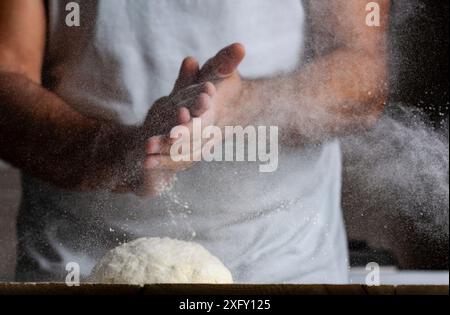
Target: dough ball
160	260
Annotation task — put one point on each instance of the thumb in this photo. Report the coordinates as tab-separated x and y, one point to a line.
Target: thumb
224	63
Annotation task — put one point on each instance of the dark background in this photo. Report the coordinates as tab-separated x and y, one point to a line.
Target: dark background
419	56
419	42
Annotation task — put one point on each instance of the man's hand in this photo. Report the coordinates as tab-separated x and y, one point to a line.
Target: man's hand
169	111
189	94
216	105
222	71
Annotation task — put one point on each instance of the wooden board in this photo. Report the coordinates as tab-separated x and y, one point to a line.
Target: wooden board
230	290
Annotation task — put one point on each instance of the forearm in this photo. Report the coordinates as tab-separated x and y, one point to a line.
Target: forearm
46	138
337	93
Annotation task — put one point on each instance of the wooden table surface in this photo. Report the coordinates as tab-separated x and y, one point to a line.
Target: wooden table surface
206	289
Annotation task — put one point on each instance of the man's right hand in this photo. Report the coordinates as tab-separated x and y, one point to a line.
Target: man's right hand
155	177
194	95
213	106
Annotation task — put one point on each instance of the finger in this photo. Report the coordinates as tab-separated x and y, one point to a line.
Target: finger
223	64
187	96
166	163
188	74
186	92
161	145
183	116
200	109
182	149
202	104
159	148
153	145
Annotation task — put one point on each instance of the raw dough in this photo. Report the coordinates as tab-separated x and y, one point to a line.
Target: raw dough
160	260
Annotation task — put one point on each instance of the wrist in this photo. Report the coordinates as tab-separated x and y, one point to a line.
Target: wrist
128	156
114	154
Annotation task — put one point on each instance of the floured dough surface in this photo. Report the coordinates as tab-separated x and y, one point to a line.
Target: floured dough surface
160	260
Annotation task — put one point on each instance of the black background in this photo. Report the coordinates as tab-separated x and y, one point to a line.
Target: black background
419	56
419	65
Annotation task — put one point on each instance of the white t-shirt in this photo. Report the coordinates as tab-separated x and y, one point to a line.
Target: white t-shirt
281	227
